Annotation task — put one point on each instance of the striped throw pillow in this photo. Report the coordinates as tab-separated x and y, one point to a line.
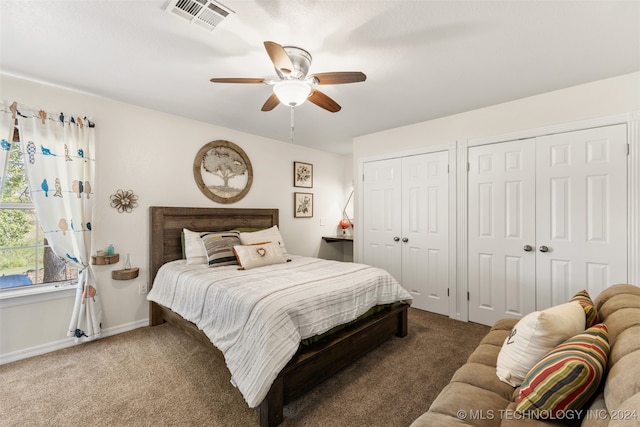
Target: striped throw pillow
590	310
219	248
567	376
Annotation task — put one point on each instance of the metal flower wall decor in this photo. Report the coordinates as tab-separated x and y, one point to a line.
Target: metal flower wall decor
124	201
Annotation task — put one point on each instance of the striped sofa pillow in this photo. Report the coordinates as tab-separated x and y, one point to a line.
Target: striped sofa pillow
567	376
590	310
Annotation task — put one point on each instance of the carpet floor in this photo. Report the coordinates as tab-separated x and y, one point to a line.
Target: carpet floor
158	376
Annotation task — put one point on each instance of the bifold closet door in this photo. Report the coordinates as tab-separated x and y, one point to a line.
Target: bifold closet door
382	216
581	213
425	230
406	225
501	230
547	217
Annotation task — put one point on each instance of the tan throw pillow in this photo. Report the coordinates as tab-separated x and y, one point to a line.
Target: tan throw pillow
533	336
258	255
267	235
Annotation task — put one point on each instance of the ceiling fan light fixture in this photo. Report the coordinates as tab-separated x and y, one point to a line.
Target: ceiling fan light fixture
292	92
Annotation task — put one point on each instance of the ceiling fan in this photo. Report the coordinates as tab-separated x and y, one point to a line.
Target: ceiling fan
294	85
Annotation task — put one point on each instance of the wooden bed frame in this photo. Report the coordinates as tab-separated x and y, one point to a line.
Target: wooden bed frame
309	366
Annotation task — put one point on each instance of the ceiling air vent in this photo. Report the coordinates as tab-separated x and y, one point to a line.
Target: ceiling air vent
205	14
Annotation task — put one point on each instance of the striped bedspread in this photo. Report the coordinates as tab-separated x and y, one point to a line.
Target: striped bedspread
257	317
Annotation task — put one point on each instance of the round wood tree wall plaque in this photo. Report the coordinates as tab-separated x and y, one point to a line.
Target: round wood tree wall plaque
223	171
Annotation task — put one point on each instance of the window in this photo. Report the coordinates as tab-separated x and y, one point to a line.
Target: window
25	257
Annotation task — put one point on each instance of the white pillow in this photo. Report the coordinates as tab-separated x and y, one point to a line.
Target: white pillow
268	235
258	255
533	336
193	247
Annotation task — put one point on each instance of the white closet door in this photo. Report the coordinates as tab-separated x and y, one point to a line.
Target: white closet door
501	231
581	212
425	230
382	193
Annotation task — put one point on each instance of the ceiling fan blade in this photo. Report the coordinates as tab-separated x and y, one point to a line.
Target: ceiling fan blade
279	57
323	101
271	103
339	77
237	80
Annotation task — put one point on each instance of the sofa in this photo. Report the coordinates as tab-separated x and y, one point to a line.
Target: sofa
475	396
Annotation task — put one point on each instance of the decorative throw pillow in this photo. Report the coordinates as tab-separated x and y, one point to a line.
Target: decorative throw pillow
590	310
567	376
193	248
219	248
258	255
533	336
267	235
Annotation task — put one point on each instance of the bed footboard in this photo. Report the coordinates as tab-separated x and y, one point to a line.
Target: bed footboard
310	367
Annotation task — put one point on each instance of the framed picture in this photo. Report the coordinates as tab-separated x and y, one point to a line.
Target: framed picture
302	205
223	171
302	175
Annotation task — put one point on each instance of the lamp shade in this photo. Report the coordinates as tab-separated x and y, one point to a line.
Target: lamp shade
292	92
344	224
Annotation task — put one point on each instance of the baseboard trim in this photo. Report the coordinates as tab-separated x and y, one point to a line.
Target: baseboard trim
67	342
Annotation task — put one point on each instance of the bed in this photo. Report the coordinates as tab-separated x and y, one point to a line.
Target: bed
311	364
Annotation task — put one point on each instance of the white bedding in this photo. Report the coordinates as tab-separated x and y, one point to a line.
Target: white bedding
258	317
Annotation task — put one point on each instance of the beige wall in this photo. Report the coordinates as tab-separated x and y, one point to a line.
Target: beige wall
152	154
597	99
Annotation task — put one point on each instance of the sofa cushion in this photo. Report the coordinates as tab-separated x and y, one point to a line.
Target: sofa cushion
459	400
628	413
567	376
512	418
485	354
620	295
533	336
627	342
598	413
434	419
623	381
482	376
622	320
590	311
487	351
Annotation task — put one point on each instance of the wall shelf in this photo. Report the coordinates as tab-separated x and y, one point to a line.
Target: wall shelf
343	238
105	259
129	274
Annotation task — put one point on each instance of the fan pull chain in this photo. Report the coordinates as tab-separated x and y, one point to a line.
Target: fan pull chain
291	136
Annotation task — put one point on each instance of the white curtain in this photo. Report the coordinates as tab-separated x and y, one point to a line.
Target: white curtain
7	120
58	152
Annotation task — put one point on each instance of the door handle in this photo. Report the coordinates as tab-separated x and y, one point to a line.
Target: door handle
405	239
527	248
396	239
544	249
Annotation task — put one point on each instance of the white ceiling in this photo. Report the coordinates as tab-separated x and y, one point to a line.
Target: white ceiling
423	59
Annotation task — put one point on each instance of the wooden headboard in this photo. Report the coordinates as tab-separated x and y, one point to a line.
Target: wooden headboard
165	236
